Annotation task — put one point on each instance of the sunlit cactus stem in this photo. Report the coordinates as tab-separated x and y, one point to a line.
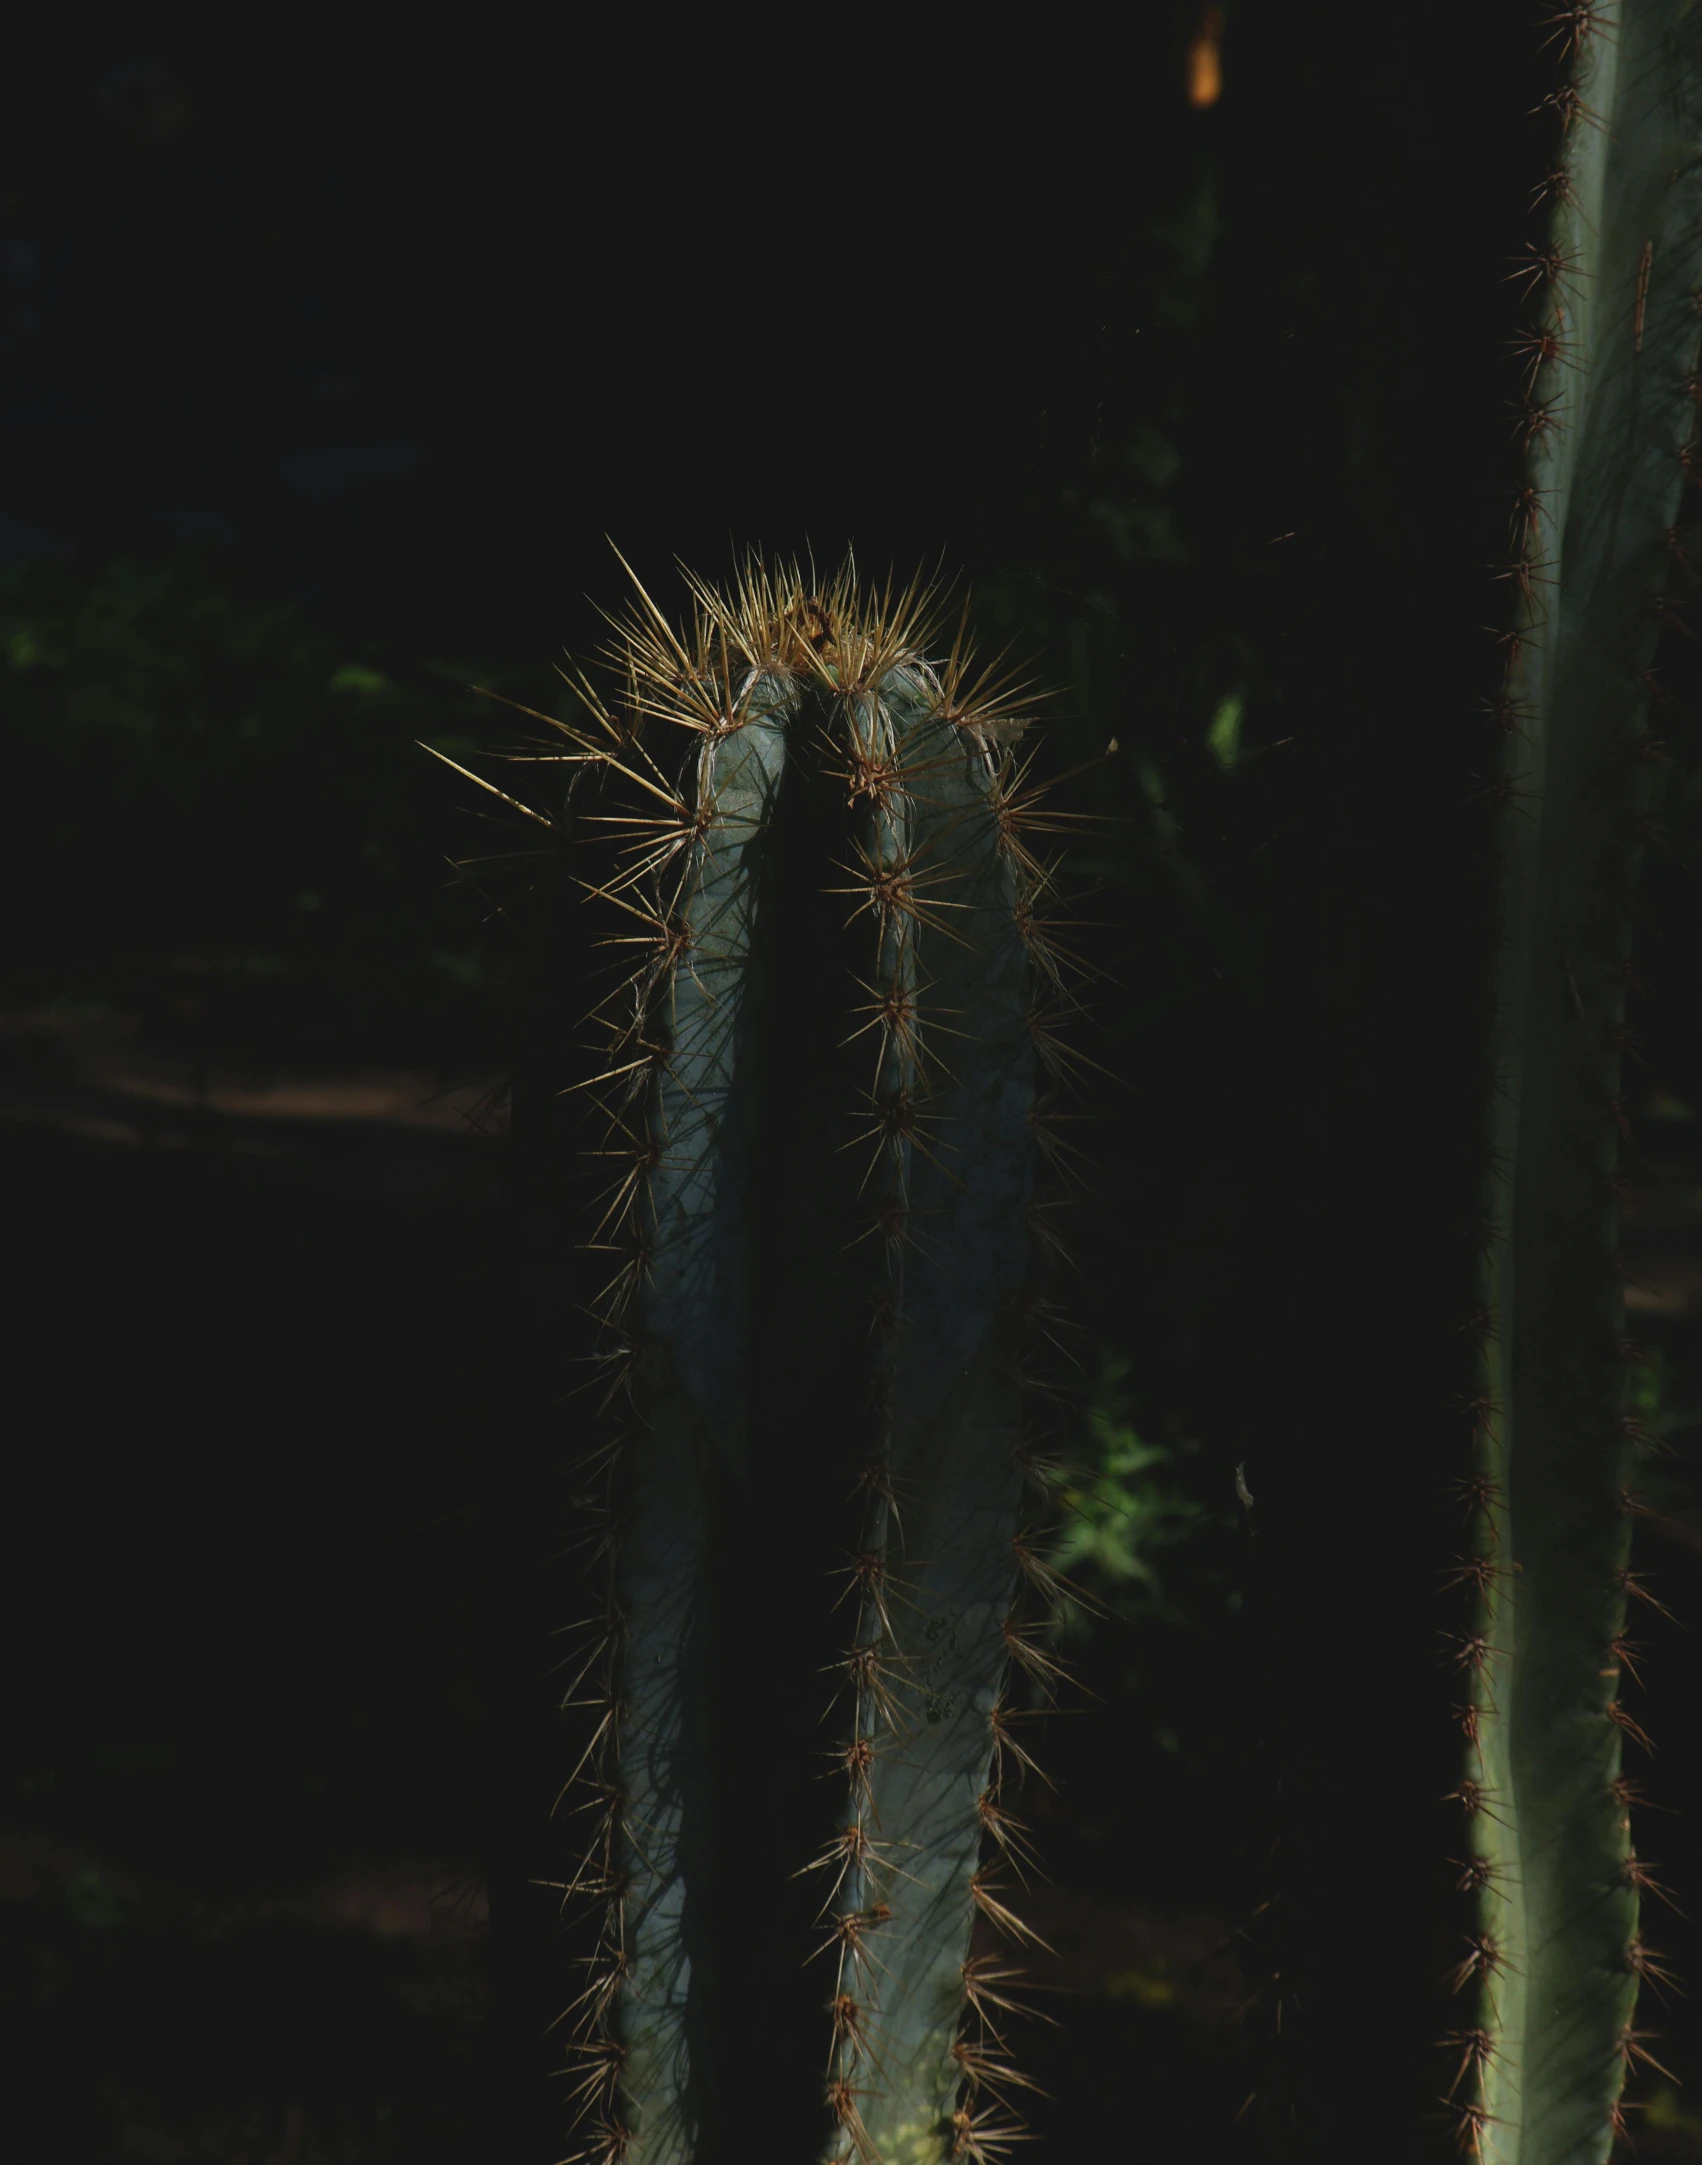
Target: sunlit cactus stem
1556	1957
952	1112
686	1306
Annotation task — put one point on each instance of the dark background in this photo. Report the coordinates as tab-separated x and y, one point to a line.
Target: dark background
333	346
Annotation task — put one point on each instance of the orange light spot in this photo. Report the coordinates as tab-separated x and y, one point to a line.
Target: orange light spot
1205	60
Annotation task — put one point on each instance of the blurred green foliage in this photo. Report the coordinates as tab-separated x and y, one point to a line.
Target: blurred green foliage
208	793
1122	1506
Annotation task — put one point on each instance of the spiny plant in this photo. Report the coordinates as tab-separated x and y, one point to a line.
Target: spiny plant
1551	1956
830	1074
1555	1951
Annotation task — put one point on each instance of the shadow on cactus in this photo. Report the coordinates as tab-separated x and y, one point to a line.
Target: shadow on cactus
828	1077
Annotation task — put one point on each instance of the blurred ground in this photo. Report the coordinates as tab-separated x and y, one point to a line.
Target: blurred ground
253	1801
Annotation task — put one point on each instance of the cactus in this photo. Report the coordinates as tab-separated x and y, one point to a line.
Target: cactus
823	1082
1556	1954
1508	1934
817	734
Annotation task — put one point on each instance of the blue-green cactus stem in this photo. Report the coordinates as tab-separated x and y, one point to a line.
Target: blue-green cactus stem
1555	1956
952	1115
685	1250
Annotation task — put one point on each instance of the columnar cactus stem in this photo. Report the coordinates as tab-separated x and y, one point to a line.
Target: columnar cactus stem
687	1268
939	887
1555	1957
951	1130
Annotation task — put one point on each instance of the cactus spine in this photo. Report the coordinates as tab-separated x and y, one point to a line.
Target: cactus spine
805	714
1555	1956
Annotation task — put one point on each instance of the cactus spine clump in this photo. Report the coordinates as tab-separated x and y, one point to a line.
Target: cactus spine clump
1555	1955
824	862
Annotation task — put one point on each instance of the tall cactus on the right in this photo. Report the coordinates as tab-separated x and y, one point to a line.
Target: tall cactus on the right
1556	1956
